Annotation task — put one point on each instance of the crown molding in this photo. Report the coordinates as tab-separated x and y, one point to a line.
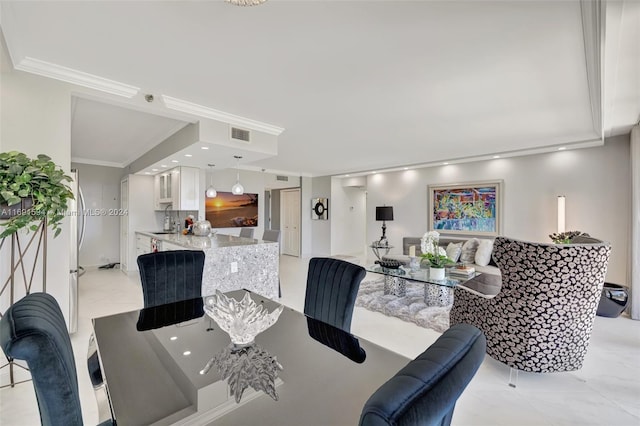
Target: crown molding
81	160
206	112
58	72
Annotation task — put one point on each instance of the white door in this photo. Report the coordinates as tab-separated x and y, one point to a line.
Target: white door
290	221
124	225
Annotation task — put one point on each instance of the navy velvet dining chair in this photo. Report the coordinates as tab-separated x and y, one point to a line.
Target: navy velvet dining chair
332	288
171	276
336	339
425	391
33	329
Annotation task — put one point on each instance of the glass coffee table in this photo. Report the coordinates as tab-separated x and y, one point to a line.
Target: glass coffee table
436	292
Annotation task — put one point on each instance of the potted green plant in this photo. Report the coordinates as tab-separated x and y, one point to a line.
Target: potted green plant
565	237
31	190
434	255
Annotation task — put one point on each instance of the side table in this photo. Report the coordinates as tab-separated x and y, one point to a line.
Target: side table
376	248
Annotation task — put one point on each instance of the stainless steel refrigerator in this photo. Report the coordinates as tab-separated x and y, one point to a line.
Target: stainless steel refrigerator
77	226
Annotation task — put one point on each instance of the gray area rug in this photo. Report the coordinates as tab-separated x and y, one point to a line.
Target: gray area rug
410	308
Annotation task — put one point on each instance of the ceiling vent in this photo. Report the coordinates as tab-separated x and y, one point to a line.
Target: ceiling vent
240	134
282	178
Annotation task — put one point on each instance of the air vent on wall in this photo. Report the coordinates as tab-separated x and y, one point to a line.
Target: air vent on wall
282	178
240	134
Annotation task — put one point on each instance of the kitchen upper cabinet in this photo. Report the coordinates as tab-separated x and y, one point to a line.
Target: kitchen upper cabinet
166	188
179	187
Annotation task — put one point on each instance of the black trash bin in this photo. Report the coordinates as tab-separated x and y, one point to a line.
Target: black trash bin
613	301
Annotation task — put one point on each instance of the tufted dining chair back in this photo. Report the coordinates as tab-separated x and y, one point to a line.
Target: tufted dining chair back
426	390
33	329
171	276
542	318
332	287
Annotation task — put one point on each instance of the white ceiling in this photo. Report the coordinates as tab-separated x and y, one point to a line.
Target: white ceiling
357	85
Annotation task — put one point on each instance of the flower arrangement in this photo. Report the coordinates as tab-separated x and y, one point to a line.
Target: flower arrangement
435	255
565	237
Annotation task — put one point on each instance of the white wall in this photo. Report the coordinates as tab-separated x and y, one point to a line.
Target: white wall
347	214
320	229
596	182
101	189
35	119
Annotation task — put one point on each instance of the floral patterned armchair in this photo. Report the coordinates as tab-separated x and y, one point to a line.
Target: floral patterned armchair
542	318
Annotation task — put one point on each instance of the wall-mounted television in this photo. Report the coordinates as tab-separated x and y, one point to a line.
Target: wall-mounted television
227	210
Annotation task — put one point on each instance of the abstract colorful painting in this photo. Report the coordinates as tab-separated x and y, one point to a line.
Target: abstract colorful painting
471	208
227	210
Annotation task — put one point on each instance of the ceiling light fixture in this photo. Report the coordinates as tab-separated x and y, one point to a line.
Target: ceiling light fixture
204	147
246	2
496	156
188	155
174	161
562	148
211	191
237	189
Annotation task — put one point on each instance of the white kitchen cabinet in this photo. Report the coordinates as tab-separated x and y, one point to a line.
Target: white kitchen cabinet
179	187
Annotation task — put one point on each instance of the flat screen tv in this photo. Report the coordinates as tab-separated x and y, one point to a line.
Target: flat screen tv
227	210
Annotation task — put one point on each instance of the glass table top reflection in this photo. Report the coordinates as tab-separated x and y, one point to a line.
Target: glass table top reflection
172	364
421	275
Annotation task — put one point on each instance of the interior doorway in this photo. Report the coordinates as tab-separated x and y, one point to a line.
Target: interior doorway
290	221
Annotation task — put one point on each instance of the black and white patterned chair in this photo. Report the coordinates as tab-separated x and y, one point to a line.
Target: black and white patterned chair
542	318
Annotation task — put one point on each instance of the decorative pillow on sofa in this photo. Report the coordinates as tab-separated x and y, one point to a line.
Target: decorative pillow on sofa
453	251
483	254
469	248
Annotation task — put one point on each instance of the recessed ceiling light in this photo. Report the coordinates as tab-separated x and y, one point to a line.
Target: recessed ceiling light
346	175
174	161
147	173
188	155
154	170
186	353
562	148
204	147
164	165
496	156
445	163
374	171
406	168
173	338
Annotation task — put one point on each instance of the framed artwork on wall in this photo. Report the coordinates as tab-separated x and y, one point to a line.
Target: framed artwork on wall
466	208
228	210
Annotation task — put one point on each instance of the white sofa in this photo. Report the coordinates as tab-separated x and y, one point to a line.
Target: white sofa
407	242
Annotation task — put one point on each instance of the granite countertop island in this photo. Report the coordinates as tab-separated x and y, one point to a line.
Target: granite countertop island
231	262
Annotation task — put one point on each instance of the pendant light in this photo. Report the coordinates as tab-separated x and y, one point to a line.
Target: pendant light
237	189
211	191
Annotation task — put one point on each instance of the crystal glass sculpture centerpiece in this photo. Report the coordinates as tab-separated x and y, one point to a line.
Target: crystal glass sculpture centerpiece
242	320
246	366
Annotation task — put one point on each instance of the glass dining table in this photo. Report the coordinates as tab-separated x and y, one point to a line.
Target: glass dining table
172	364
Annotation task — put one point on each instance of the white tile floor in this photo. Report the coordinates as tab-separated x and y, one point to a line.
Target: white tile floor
605	392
